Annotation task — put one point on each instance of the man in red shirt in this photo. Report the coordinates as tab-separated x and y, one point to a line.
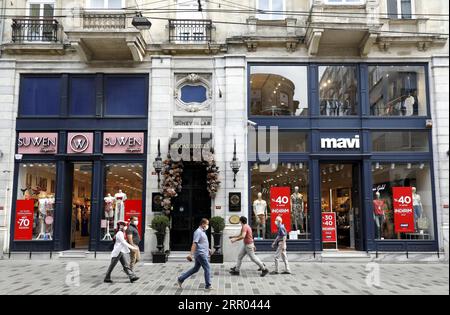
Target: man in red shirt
248	249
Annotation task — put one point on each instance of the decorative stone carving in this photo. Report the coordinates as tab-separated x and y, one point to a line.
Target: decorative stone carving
193	80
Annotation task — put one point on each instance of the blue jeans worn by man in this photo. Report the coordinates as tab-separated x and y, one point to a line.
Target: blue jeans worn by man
200	261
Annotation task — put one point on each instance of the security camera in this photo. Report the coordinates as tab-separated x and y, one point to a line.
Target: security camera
251	123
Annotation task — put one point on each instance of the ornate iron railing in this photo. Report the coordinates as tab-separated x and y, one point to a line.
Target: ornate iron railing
190	31
34	30
104	21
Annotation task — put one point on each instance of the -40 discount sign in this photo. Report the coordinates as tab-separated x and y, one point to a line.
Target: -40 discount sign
403	210
329	232
23	228
280	205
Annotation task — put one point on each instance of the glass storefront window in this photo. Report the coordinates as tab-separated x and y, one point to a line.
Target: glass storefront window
295	177
397	91
123	195
35	207
338	90
288	141
402	201
279	91
400	141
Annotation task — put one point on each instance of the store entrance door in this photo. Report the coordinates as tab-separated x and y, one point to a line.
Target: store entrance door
192	204
81	205
340	193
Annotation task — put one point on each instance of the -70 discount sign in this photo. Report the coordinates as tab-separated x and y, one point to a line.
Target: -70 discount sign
403	210
23	228
280	205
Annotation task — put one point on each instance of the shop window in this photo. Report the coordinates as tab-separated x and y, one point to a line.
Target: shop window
82	96
400	141
40	96
402	201
338	91
35	205
288	141
126	95
398	91
279	91
123	196
294	177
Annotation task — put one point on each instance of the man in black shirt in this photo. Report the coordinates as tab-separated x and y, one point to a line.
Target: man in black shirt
134	239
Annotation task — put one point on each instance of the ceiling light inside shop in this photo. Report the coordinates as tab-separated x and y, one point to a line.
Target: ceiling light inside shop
392	166
422	165
408	166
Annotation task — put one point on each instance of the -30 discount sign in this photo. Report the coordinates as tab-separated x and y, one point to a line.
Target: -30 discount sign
23	228
329	232
280	205
403	210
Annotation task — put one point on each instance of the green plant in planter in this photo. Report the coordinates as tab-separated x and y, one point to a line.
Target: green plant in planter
160	223
218	224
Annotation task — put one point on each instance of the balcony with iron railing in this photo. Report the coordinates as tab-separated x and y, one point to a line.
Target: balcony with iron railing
104	21
25	30
190	31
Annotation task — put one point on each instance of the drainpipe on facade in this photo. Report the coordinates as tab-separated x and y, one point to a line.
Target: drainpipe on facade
2	22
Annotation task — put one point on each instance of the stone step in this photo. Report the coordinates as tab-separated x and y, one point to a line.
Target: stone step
177	256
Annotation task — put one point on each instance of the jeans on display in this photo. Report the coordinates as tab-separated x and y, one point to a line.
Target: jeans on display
250	251
281	253
379	220
200	261
125	261
417	211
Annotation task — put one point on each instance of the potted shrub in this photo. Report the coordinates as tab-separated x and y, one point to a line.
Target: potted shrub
159	224
218	225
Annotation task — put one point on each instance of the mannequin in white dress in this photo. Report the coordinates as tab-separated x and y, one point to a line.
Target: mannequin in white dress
119	214
260	212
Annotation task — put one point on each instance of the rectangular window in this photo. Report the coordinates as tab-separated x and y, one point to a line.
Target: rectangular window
397	91
338	91
295	177
35	207
82	96
271	9
402	201
105	4
40	96
400	141
400	9
124	184
345	1
125	95
279	91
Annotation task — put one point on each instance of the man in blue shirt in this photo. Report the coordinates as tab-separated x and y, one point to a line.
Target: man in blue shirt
280	245
200	251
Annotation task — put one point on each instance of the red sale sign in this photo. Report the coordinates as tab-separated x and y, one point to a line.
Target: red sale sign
133	208
23	227
280	205
403	210
329	231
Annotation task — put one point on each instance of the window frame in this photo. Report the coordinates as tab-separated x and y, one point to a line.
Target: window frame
270	16
105	6
345	2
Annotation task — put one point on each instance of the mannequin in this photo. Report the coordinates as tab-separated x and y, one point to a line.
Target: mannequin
260	212
120	198
378	214
109	214
297	211
50	207
417	205
42	206
409	105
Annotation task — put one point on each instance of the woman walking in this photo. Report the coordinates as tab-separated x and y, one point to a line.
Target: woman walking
121	252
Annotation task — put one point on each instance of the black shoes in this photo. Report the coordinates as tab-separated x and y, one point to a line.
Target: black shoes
264	272
134	279
261	269
107	281
234	272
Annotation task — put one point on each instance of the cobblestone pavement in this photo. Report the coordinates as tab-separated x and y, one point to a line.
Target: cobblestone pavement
61	277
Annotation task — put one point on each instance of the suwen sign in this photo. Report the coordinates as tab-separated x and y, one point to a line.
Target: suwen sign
123	143
341	143
37	143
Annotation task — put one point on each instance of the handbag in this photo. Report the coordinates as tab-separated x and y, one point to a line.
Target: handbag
422	223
